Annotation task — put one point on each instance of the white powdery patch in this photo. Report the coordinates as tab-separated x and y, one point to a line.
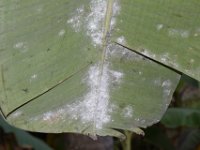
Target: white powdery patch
159	26
192	61
116	8
148	54
116	76
165	58
95	20
115	12
61	32
16	114
33	77
121	40
47	116
50	116
95	107
170	60
185	34
178	33
122	53
140	72
97	100
19	45
75	21
127	112
196	34
166	85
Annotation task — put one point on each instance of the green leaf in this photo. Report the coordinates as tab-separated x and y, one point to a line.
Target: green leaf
166	31
176	117
61	73
24	138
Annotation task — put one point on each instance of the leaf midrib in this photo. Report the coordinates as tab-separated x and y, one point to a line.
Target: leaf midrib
105	42
107	24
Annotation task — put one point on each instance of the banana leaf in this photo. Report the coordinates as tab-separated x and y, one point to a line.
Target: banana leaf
61	71
165	31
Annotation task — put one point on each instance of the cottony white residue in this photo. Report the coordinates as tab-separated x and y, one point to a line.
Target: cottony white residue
121	40
47	116
97	99
143	121
191	61
165	58
16	114
95	20
51	116
116	8
159	26
148	54
127	112
62	32
178	33
166	85
115	12
19	45
122	53
34	76
95	107
169	59
116	76
76	20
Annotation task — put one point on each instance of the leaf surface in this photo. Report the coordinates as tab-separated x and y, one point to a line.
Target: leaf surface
166	31
60	72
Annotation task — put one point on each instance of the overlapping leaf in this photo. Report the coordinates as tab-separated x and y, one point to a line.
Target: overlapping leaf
166	31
